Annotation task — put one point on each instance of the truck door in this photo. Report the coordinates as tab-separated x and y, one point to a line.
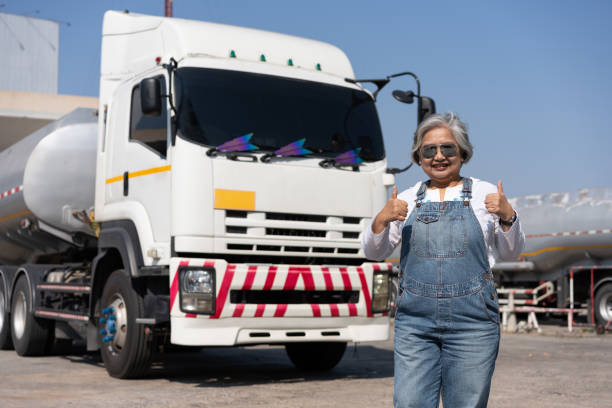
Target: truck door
139	169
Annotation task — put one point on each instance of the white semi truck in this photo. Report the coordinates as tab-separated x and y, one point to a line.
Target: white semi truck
215	198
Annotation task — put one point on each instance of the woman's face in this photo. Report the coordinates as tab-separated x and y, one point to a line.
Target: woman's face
440	169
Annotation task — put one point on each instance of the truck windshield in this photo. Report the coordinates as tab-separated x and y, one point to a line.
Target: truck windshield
215	106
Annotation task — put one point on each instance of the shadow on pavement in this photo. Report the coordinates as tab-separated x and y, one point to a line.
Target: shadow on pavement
238	366
220	367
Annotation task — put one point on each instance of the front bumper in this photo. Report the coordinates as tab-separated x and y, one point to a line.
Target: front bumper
250	323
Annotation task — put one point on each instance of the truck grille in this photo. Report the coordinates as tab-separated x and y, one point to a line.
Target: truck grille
294	297
300	234
295	232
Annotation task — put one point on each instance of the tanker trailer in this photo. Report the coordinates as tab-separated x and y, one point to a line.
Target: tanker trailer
47	184
566	232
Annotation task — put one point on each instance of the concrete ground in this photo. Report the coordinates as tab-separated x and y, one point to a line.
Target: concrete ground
553	369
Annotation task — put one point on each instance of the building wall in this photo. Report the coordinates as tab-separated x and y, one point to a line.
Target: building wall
22	113
29	49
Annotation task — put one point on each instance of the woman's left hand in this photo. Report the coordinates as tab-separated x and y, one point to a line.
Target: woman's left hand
498	204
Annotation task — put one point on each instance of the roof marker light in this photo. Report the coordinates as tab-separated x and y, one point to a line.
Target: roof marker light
290	62
232	54
157	60
262	58
318	67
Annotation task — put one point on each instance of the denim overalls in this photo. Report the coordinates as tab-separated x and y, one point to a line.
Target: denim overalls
447	322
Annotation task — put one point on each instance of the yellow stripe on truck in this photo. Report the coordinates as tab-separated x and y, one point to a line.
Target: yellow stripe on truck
140	173
149	171
114	179
8	217
235	200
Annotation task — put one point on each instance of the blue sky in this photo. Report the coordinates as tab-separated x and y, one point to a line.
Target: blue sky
531	78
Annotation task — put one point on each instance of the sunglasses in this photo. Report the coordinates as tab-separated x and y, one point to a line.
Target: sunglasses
447	150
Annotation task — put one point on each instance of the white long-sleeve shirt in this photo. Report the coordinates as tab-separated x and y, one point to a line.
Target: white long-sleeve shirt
501	246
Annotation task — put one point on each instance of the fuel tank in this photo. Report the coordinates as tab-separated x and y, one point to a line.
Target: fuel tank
47	183
563	229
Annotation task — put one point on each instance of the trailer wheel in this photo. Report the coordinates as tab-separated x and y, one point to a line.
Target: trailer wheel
603	304
125	347
5	325
319	356
31	336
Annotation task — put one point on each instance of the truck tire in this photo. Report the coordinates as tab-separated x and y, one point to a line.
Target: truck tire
321	356
31	336
603	305
125	347
393	296
5	324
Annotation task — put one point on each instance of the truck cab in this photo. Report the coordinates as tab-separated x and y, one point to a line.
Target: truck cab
222	170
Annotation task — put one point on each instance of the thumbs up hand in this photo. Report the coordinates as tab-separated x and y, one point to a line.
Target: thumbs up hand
498	204
394	210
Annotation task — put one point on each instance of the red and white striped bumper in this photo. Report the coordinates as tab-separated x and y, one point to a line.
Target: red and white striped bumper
235	323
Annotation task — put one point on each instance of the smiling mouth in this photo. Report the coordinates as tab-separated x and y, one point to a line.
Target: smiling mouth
440	166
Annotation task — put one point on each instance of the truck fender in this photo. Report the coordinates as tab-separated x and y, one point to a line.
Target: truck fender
601	282
122	236
107	261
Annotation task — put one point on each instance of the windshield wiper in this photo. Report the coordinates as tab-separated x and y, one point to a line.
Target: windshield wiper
346	159
234	149
294	149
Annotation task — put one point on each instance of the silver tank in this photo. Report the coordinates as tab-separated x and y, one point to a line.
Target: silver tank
563	229
47	184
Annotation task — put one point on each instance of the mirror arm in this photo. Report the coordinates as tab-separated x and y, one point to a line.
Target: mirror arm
171	67
394	170
416	78
380	84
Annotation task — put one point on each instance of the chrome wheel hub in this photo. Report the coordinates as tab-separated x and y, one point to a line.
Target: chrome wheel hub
605	307
114	324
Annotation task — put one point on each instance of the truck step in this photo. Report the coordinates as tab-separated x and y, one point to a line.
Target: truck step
59	315
62	288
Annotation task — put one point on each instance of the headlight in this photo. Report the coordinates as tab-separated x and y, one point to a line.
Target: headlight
380	293
197	281
197	290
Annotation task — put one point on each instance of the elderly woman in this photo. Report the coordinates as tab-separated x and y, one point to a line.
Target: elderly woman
452	230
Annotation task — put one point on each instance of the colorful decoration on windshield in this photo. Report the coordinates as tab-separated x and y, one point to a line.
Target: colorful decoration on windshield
239	144
349	158
293	149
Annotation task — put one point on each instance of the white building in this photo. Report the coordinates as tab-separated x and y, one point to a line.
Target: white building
29	48
30	53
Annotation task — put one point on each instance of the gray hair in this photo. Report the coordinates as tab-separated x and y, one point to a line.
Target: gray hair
450	121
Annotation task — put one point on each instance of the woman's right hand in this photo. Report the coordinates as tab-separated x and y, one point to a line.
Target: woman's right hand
394	210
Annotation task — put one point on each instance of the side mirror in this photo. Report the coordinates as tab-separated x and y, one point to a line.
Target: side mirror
426	107
403	96
150	97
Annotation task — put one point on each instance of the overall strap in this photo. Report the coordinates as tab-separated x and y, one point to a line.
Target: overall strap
466	192
421	194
